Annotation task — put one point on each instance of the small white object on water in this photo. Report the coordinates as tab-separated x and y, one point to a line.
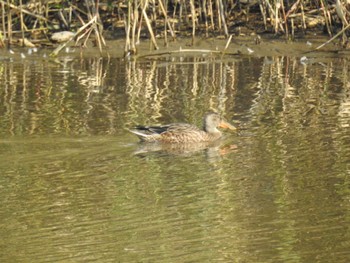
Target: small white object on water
35	49
23	56
44	56
308	43
67	49
30	51
303	60
250	51
11	51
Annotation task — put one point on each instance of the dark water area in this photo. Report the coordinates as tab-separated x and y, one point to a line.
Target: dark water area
76	186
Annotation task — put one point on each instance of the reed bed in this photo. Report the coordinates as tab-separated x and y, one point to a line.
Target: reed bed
33	22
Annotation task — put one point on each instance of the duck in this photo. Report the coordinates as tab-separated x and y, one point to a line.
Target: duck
184	132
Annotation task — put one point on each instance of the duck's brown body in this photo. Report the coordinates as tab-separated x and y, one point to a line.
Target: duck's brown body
183	132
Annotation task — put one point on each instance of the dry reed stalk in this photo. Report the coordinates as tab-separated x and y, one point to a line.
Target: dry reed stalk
23	10
3	21
228	43
148	23
22	22
173	15
96	26
330	40
139	30
218	13
165	26
63	19
285	20
277	6
303	14
274	14
127	31
134	25
263	12
2	43
166	19
86	34
341	9
9	24
46	11
165	35
226	46
204	8
193	12
326	17
211	13
222	15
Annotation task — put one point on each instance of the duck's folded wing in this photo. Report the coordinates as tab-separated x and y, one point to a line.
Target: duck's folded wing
152	129
182	127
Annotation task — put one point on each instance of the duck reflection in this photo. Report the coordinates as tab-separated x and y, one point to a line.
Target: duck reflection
212	150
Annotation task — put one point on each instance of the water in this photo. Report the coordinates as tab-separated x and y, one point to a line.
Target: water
77	187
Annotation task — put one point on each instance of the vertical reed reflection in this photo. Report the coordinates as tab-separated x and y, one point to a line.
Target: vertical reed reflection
301	119
161	89
95	95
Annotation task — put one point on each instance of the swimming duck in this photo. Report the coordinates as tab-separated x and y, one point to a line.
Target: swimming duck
184	132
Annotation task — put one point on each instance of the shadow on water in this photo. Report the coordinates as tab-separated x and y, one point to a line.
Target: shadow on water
76	186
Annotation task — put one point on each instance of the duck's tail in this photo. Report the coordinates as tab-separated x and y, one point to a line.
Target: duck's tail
138	133
144	134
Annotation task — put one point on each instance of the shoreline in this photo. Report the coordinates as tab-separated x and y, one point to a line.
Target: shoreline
238	46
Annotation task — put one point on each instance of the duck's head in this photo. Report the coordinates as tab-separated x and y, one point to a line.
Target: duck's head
212	121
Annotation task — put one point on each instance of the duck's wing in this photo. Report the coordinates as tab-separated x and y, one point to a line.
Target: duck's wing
181	128
152	129
173	127
171	132
149	133
182	133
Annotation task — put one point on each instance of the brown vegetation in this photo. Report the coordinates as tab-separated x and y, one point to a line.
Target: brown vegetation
33	22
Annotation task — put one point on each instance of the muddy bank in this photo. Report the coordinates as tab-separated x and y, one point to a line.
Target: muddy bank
254	45
238	46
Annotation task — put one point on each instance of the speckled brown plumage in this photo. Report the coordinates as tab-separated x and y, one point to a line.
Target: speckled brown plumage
183	132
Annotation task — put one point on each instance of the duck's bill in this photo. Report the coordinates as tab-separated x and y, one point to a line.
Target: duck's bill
226	125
